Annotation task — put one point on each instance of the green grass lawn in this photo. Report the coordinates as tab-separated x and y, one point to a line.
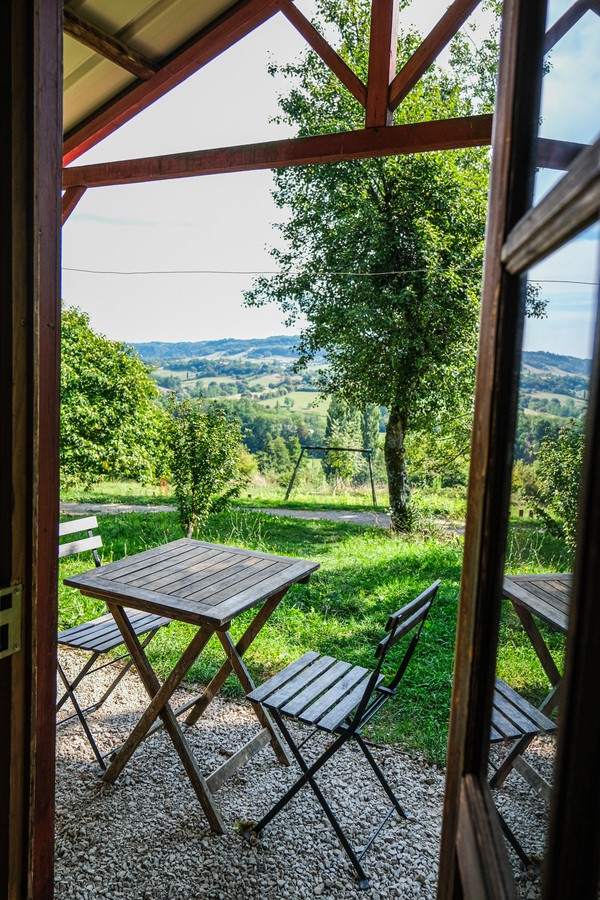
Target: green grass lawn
130	492
448	504
365	575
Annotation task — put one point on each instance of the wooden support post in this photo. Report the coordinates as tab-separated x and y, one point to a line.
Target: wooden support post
70	199
499	359
159	706
262	715
242	645
383	48
291	484
565	23
30	141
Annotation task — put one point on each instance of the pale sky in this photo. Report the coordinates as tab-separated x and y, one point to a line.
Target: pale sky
224	222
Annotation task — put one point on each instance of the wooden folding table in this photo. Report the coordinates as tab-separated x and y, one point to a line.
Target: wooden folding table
547	596
207	585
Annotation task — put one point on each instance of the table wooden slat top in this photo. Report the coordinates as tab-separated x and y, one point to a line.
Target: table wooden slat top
546	596
202	583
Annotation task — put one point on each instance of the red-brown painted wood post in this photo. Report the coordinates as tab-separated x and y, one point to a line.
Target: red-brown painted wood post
30	143
383	46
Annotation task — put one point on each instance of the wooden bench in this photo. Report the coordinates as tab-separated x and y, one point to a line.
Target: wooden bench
98	636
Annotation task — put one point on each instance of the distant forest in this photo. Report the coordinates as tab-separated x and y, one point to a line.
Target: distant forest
541	360
278	345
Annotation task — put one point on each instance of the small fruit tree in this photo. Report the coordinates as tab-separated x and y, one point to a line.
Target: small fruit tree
204	458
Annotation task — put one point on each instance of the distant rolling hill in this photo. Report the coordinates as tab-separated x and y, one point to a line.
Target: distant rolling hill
278	345
540	359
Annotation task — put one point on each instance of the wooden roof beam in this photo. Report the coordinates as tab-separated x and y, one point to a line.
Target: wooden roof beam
383	49
70	199
432	46
422	137
226	30
107	45
325	51
568	19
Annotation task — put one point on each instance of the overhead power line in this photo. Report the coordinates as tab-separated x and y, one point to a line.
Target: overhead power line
318	274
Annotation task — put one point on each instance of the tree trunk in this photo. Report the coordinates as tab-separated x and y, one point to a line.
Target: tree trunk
401	518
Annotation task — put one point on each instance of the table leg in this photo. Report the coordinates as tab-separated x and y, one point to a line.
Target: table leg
160	696
261	713
538	643
242	645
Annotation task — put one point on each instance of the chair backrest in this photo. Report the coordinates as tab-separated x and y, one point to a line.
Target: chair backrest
91	542
399	625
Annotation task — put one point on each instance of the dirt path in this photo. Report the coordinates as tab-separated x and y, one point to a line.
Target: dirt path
381	520
370	519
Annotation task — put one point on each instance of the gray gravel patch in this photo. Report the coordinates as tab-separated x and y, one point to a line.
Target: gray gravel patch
146	837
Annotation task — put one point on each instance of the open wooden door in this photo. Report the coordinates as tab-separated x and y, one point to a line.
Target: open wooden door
474	861
30	138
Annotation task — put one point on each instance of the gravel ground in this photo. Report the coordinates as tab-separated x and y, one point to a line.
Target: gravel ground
146	836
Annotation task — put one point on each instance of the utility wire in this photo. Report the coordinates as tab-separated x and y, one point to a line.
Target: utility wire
273	272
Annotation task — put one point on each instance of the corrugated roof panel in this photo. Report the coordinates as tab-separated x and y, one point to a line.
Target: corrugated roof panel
155	29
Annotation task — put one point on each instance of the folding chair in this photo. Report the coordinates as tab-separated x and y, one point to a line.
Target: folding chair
515	719
324	692
98	636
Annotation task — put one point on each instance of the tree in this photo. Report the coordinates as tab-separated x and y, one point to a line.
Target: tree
204	459
342	430
402	331
110	426
559	473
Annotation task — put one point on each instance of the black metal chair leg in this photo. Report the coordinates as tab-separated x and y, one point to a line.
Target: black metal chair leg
122	673
81	718
380	776
79	678
514	842
308	778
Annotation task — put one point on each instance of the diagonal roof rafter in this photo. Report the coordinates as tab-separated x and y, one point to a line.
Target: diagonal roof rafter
384	92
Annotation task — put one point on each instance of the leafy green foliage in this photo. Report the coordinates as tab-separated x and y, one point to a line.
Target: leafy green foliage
342	430
204	458
110	426
403	332
559	472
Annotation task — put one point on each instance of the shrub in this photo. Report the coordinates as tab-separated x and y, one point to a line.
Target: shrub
559	471
204	458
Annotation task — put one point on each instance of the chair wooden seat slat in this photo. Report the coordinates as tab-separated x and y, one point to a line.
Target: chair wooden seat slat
339	698
302	680
260	693
98	636
332	696
103	633
303	700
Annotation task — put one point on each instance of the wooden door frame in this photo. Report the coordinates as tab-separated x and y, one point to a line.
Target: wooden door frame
30	138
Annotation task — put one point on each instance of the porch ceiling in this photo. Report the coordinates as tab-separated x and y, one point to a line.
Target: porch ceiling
153	30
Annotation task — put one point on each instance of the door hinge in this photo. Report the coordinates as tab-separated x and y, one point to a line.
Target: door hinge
10	620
